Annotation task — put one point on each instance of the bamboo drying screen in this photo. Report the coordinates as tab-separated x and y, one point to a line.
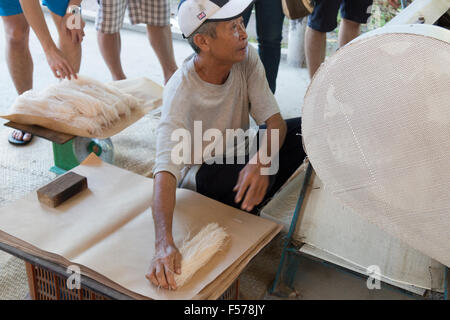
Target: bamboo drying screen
376	128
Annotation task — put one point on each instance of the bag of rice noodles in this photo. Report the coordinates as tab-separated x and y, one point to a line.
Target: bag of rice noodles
199	250
86	107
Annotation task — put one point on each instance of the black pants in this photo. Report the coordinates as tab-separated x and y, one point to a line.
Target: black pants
217	181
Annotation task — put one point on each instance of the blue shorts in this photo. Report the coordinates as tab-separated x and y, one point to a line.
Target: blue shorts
324	16
12	7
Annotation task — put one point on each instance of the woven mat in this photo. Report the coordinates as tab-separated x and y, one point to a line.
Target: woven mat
13	278
25	169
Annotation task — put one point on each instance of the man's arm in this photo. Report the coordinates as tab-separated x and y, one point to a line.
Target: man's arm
58	63
167	259
251	182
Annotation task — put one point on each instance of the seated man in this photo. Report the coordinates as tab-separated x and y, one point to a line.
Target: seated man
64	59
216	91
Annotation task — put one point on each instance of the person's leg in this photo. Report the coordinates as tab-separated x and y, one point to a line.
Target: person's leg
247	14
322	20
161	42
156	15
269	28
108	24
217	181
291	155
18	59
18	56
72	51
348	31
110	48
353	13
315	49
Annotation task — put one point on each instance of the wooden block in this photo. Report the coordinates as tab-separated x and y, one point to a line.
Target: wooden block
61	189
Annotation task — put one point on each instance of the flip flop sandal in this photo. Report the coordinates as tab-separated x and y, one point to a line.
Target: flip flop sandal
16	142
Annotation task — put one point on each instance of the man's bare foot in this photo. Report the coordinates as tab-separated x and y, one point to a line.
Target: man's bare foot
19	137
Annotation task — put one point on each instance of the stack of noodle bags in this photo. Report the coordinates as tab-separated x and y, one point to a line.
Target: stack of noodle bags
83	107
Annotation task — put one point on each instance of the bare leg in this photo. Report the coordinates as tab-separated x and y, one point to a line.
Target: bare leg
315	46
18	58
348	31
110	45
72	51
161	42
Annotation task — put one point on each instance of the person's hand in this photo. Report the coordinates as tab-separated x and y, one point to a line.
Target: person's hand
74	26
165	263
251	184
59	64
394	3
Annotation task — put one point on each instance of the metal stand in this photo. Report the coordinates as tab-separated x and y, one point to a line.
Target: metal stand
63	157
69	150
446	283
288	246
291	250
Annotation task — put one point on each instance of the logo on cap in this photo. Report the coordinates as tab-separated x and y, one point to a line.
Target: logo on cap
201	15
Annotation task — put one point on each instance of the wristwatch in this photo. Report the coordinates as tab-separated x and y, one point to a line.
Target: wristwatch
74	9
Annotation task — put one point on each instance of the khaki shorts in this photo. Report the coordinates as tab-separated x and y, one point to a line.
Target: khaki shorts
112	12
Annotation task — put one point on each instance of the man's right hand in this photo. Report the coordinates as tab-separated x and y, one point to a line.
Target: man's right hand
167	259
165	263
60	65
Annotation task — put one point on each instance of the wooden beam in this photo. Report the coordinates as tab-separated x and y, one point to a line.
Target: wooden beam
429	10
54	136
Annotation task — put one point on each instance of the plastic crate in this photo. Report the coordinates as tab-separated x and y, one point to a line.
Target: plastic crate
47	285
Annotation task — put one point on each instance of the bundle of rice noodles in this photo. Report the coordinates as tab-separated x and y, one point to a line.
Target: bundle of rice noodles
83	103
198	251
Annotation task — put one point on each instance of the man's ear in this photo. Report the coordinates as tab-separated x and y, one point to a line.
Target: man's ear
202	41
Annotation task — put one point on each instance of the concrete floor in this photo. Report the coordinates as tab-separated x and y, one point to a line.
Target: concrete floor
314	280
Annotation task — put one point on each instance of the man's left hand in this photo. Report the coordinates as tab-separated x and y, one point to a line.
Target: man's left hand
251	184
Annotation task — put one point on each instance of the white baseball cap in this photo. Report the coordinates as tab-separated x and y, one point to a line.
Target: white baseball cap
193	13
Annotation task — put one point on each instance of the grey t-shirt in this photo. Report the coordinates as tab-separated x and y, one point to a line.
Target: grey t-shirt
190	103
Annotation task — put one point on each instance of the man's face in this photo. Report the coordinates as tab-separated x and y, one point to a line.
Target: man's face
230	43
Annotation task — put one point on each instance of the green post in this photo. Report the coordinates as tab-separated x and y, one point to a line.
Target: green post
64	157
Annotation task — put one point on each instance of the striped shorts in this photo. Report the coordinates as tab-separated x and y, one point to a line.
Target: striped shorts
111	13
